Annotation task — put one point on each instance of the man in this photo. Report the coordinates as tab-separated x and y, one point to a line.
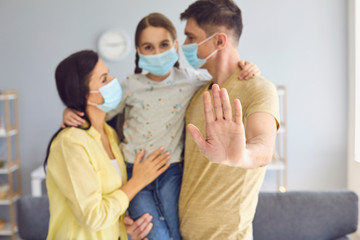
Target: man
223	174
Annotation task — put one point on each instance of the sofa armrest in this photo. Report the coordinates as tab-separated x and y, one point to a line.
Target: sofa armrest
306	215
33	217
343	238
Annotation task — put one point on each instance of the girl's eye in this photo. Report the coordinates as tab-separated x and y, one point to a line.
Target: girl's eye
148	47
164	44
104	80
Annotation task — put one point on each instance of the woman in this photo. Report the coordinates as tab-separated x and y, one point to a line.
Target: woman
86	175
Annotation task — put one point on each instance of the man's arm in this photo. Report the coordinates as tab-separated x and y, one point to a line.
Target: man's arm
226	142
260	135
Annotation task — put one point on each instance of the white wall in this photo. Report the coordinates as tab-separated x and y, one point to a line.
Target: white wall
353	178
300	44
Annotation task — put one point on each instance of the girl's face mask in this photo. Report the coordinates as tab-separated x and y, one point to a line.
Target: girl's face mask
158	64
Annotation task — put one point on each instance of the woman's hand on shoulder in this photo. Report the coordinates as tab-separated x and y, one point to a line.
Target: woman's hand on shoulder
140	228
72	118
249	70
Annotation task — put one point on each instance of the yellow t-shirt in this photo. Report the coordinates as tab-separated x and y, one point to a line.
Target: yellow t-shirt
218	201
83	187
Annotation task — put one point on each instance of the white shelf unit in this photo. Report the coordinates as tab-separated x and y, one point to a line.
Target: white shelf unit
8	200
8	230
9	136
279	162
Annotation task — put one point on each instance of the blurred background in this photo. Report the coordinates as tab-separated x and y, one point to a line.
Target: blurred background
302	45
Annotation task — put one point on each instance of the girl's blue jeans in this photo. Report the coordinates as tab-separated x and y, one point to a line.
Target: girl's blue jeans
160	199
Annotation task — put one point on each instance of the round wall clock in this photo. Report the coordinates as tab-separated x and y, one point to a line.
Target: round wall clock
113	45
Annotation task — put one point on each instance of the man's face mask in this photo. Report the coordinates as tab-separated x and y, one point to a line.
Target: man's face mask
190	52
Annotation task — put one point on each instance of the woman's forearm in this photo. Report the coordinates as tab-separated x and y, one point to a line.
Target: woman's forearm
132	187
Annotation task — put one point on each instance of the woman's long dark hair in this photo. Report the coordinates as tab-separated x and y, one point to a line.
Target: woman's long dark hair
154	20
72	81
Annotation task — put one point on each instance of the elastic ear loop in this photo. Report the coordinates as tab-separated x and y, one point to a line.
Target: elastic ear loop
211	54
91	103
207	39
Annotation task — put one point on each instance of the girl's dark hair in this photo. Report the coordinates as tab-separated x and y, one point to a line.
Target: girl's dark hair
72	77
154	20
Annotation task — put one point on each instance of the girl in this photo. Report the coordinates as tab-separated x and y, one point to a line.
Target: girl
154	104
86	176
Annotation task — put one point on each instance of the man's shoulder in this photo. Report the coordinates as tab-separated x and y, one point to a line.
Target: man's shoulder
260	82
259	78
256	83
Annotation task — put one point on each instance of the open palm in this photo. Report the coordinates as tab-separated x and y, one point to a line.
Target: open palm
225	141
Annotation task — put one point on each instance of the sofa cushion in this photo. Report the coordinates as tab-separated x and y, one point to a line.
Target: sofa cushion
305	215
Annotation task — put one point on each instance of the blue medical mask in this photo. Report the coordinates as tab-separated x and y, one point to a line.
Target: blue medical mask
112	93
159	64
190	52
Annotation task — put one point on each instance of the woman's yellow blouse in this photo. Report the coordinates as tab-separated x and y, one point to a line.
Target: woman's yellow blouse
83	187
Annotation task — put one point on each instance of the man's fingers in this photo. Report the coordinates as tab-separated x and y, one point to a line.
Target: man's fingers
226	106
128	220
217	101
134	229
198	138
146	231
208	110
142	227
238	111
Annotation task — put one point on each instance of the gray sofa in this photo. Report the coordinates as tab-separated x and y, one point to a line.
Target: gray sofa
301	215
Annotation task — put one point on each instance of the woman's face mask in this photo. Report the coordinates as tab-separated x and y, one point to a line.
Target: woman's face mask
158	64
112	94
190	52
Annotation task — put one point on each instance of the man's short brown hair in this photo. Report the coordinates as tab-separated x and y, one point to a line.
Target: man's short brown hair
208	13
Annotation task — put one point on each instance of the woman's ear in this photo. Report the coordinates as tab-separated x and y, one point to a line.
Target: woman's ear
221	40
